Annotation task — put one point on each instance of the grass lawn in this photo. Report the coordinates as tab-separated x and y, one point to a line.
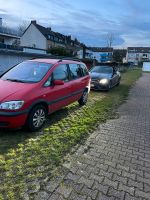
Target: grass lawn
31	162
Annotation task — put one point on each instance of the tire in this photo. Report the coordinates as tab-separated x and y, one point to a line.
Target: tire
118	83
83	100
36	118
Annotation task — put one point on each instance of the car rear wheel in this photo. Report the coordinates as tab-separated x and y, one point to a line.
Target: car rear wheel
36	118
83	100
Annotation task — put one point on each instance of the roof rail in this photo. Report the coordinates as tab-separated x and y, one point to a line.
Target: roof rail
70	58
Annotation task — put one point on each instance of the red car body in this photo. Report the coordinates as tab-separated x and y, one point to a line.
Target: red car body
52	97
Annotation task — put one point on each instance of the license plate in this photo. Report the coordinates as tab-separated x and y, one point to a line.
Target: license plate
92	85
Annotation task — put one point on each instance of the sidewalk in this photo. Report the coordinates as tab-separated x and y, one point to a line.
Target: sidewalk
115	161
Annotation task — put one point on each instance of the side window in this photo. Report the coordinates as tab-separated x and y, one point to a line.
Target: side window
84	70
48	82
61	73
75	71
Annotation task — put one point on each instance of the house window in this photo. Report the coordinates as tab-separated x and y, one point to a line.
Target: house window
50	37
56	38
144	55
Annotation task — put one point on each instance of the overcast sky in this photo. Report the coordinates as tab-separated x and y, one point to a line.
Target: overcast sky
88	20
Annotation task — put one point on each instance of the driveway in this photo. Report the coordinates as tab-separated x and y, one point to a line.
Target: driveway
115	161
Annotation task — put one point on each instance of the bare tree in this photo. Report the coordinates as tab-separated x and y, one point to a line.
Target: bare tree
110	39
22	27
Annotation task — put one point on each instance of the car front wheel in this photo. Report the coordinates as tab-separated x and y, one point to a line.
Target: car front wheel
83	100
36	118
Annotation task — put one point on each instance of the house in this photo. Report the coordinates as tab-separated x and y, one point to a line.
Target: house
138	54
101	54
41	37
8	36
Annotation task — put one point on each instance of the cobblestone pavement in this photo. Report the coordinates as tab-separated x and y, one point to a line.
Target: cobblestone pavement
115	161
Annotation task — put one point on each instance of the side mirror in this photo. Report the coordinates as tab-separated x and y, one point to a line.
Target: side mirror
58	82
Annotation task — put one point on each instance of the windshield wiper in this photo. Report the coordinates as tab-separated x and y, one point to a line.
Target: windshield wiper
15	80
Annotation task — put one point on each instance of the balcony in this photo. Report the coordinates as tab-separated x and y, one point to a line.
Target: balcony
9	32
10	47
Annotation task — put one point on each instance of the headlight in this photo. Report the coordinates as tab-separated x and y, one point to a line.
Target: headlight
11	105
103	81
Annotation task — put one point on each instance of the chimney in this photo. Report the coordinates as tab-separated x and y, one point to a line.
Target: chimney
1	22
33	21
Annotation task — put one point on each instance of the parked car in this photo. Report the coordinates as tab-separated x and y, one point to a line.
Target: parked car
104	77
32	89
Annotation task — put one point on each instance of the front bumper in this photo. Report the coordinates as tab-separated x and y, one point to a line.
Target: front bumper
12	119
95	85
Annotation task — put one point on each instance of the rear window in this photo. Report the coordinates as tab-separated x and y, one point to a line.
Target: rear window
27	72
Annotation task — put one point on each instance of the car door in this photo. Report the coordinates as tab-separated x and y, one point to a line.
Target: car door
58	96
78	81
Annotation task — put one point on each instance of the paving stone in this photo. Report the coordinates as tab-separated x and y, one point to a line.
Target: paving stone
110	183
77	196
125	168
72	176
129	175
103	197
89	192
100	187
114	162
87	182
139	193
129	197
146	188
114	170
51	186
125	188
120	179
64	190
135	184
144	180
56	196
42	195
106	174
115	193
96	177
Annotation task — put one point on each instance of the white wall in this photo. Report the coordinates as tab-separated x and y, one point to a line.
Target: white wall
33	38
136	57
30	50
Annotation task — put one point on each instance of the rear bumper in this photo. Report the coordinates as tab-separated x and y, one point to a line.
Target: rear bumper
12	119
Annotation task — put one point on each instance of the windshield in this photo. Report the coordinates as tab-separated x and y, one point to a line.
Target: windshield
102	69
27	72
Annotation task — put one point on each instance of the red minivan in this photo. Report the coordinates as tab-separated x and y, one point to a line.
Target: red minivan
34	88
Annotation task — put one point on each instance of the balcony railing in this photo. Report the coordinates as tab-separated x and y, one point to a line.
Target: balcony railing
10	47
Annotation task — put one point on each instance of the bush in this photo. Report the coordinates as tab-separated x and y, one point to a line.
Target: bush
60	51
